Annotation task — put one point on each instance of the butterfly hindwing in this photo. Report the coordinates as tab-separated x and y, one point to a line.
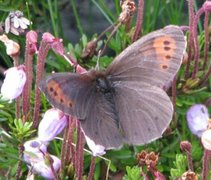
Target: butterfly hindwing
145	111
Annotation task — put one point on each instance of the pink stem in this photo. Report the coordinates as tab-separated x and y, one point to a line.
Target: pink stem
92	168
139	20
195	41
43	50
190	43
206	46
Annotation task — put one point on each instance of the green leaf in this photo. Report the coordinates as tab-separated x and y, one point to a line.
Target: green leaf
133	173
180	166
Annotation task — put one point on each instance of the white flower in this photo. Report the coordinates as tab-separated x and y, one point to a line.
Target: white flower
97	150
197	119
16	23
15	79
206	139
53	122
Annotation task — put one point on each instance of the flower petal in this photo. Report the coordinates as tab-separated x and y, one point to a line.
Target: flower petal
206	139
13	83
97	150
197	119
53	122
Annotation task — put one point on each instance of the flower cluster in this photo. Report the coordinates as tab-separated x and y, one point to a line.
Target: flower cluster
16	23
35	153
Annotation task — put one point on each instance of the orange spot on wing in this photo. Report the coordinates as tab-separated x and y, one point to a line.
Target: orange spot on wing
56	93
164	49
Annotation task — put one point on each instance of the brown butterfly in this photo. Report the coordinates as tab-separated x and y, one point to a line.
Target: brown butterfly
126	102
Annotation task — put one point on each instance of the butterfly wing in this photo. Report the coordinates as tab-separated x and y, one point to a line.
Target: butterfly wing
154	59
102	124
145	111
69	92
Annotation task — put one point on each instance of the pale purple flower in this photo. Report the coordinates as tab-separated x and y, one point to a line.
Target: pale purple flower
43	168
97	150
53	122
15	79
33	149
197	119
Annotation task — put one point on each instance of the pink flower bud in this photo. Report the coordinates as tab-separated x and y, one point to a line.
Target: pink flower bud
80	69
15	79
97	150
12	47
206	139
56	43
53	122
197	119
31	38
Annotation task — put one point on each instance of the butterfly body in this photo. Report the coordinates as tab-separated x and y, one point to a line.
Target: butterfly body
125	103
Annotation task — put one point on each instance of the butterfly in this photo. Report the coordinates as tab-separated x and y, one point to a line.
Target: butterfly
126	103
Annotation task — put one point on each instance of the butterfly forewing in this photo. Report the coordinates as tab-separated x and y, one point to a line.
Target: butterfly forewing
69	92
154	59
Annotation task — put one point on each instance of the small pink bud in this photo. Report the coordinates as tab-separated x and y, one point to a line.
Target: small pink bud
197	119
48	37
56	43
207	6
53	122
206	139
31	37
15	79
97	150
12	47
80	69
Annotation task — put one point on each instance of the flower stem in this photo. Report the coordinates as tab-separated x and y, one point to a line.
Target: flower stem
18	171
206	45
195	41
206	159
139	20
43	50
92	168
190	41
79	152
29	74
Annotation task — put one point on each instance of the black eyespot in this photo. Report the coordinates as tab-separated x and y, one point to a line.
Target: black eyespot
167	48
166	42
168	57
51	89
164	66
55	93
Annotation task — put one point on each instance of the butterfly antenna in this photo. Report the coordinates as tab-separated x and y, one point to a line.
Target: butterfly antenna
97	67
110	36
